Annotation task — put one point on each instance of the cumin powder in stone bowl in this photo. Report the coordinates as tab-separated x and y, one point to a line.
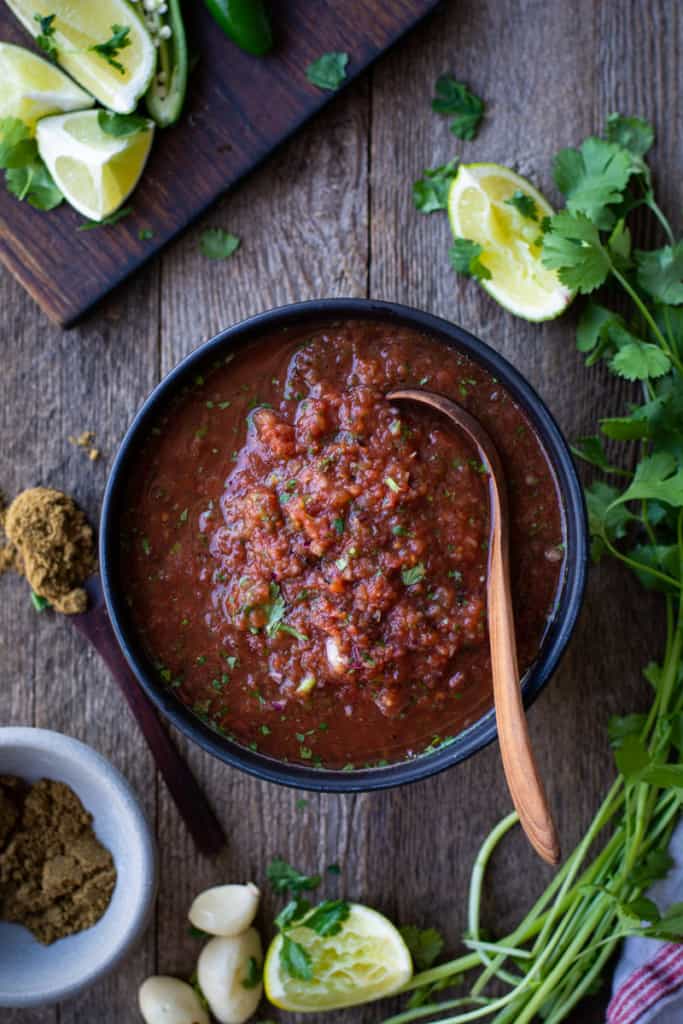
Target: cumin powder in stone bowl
33	974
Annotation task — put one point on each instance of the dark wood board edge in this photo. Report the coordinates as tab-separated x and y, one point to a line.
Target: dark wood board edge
31	277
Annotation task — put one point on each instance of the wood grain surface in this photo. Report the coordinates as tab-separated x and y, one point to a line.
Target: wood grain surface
238	109
331	214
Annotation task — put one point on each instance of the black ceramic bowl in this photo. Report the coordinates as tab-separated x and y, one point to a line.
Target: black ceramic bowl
557	635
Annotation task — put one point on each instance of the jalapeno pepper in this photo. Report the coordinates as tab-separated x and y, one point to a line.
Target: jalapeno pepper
166	94
247	22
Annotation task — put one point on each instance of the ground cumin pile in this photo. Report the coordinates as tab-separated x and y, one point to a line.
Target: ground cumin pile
52	544
56	878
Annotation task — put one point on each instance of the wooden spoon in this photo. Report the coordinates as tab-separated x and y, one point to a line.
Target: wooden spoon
193	807
521	771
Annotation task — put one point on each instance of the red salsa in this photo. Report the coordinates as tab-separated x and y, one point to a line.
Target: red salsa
305	562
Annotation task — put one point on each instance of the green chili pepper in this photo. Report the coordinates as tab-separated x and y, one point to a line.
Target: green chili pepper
166	94
247	22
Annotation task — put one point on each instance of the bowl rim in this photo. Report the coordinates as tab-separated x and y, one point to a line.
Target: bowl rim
568	605
68	749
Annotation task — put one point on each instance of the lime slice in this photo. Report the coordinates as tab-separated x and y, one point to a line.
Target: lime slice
479	210
366	960
95	171
77	26
31	87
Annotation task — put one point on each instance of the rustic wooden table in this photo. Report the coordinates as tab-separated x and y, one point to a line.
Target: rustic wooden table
331	214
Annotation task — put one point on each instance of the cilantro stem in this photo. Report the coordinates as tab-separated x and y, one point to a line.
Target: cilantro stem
647	316
652	205
640	566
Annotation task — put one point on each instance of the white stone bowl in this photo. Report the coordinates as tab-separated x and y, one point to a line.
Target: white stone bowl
35	975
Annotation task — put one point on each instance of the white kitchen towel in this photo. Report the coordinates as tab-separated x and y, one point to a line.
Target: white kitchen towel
648	981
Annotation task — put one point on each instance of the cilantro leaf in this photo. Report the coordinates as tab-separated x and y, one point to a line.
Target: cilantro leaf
26	176
572	246
592	323
291	912
593	178
655	866
524	204
591	450
430	192
254	973
424	944
606	520
663	557
120	125
283	877
660	273
453	97
632	133
217	244
619	245
657	477
111	48
16	145
465	259
329	71
635	359
45	39
295	960
669	926
276	610
35	184
413	575
632	758
624	428
618	728
106	222
327	918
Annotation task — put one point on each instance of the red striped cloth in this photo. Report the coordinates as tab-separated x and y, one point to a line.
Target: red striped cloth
647	986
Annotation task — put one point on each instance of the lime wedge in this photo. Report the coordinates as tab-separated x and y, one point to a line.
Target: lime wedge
95	171
31	88
117	77
366	960
502	212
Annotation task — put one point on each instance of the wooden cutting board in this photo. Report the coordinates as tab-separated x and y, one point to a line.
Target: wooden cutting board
239	108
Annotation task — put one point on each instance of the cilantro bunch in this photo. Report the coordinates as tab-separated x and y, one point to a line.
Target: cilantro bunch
557	953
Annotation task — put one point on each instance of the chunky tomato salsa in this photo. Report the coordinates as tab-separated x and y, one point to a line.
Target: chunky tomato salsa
305	562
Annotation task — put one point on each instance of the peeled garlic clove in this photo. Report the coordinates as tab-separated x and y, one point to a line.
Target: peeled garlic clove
165	1000
222	967
226	909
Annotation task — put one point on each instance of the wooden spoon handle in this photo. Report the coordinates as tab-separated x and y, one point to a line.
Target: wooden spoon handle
194	809
521	772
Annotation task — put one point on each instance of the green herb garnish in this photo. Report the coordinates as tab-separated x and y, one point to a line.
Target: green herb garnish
112	47
26	176
424	944
121	125
329	71
284	878
465	259
413	575
38	602
430	192
453	97
254	973
45	39
106	222
295	960
524	204
217	244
